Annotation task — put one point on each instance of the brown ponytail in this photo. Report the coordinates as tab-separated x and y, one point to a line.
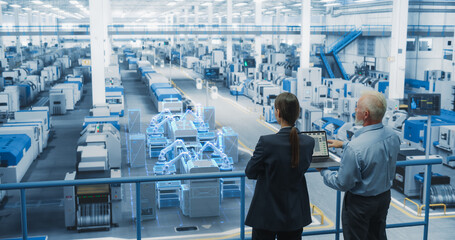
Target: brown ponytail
294	139
289	107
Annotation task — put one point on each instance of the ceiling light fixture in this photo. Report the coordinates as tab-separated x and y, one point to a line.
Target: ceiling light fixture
37	2
27	9
74	2
171	3
3	2
15	6
47	6
332	4
240	4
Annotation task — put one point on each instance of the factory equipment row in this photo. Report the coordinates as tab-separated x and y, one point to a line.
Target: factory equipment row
98	155
20	86
22	139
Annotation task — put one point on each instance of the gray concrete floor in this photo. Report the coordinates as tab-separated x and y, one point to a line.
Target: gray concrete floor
45	208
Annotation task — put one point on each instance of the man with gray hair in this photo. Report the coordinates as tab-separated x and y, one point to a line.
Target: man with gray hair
366	171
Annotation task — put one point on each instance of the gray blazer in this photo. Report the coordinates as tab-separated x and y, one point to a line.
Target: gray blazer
280	201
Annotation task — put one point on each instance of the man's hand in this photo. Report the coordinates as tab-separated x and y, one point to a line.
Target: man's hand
335	143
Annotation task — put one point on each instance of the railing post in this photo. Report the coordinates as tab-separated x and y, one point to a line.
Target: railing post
138	210
242	207
23	215
427	201
337	219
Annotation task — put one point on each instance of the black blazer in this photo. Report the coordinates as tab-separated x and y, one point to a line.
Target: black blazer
280	201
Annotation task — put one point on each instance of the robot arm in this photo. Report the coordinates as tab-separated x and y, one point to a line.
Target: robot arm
226	163
197	117
157	126
155	119
169	163
177	143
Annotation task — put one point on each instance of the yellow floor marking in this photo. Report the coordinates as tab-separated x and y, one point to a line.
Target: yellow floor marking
416	217
267	126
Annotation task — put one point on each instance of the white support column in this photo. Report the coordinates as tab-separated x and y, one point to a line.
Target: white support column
57	23
29	19
305	34
50	23
242	23
257	38
276	39
196	22
1	24
453	57
97	50
397	56
40	24
186	13
173	36
107	18
16	24
286	23
210	21
229	37
169	23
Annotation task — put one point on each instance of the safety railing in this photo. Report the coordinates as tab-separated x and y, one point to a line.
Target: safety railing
67	28
440	30
126	29
138	180
370	29
116	29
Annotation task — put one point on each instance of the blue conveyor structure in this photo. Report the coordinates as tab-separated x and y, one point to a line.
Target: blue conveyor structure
332	66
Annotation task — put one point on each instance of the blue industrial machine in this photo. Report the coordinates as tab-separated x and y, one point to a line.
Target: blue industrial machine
328	124
163	94
16	156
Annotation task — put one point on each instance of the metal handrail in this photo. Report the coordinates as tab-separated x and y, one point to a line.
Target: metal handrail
138	180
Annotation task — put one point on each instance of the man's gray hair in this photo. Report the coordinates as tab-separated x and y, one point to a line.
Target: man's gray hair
376	103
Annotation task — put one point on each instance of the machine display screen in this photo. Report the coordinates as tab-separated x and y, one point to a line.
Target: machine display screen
424	104
249	63
320	143
211	73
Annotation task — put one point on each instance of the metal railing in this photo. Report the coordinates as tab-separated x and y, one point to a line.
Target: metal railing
221	29
138	180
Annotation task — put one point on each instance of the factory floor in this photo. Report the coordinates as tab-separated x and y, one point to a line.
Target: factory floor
45	206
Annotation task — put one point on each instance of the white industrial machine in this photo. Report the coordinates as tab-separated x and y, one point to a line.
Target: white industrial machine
201	198
107	137
57	102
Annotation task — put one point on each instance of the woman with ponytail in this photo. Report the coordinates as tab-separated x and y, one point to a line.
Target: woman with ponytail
280	206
